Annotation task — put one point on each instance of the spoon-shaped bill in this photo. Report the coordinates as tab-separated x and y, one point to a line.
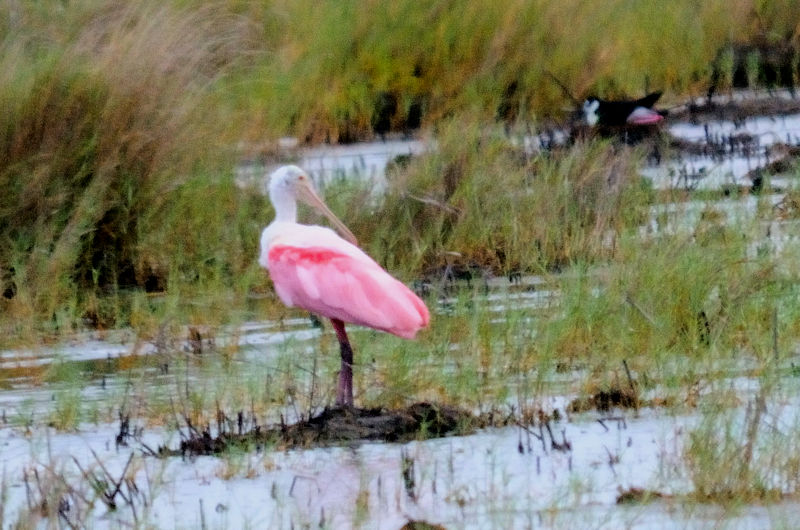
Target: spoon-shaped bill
307	194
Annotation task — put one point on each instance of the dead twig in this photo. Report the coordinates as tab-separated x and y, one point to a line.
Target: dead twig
629	300
563	87
634	393
760	406
433	202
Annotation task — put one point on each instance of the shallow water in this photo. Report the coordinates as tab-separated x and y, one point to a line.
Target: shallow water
736	149
505	477
366	161
107	361
500	478
719	154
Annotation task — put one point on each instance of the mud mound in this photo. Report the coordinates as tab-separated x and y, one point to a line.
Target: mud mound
421	525
336	426
639	496
614	397
353	424
605	400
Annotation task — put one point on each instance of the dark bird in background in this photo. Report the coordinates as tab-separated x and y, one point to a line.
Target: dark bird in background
606	113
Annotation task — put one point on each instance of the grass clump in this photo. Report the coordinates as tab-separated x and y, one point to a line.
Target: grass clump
751	456
479	200
695	295
108	128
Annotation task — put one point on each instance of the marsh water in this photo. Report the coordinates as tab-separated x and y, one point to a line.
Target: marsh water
576	475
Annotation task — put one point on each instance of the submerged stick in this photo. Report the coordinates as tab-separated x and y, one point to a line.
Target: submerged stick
760	406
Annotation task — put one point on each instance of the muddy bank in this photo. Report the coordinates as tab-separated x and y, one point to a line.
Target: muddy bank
333	426
420	421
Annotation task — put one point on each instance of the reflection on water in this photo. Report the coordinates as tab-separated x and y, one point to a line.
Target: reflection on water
513	477
724	153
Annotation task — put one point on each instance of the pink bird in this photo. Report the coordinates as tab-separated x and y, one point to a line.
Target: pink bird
315	269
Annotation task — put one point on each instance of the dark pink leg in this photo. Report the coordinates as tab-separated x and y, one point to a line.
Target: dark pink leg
344	394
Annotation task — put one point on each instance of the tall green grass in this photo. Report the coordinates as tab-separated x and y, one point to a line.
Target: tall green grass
747	455
479	199
672	308
115	161
333	60
122	124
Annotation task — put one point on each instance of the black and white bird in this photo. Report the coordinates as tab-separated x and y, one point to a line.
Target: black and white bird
606	113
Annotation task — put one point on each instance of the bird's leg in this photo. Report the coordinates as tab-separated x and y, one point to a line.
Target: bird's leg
344	394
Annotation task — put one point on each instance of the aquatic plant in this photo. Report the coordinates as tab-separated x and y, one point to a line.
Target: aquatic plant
481	201
736	456
110	155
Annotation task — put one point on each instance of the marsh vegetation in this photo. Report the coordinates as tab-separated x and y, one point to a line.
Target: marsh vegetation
583	313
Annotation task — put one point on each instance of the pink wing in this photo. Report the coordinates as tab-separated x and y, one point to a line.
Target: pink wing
644	116
334	284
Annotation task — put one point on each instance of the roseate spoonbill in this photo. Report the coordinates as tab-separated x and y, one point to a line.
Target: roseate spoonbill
614	113
315	269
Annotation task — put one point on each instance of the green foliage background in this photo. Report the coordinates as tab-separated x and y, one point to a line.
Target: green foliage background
122	124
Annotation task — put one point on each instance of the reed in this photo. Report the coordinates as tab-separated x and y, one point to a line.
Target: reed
480	200
108	130
458	56
123	123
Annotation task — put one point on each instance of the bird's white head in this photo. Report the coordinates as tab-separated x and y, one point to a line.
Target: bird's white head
289	184
590	107
285	181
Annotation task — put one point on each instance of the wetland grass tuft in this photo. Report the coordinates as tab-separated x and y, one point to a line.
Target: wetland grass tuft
109	128
734	459
481	201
